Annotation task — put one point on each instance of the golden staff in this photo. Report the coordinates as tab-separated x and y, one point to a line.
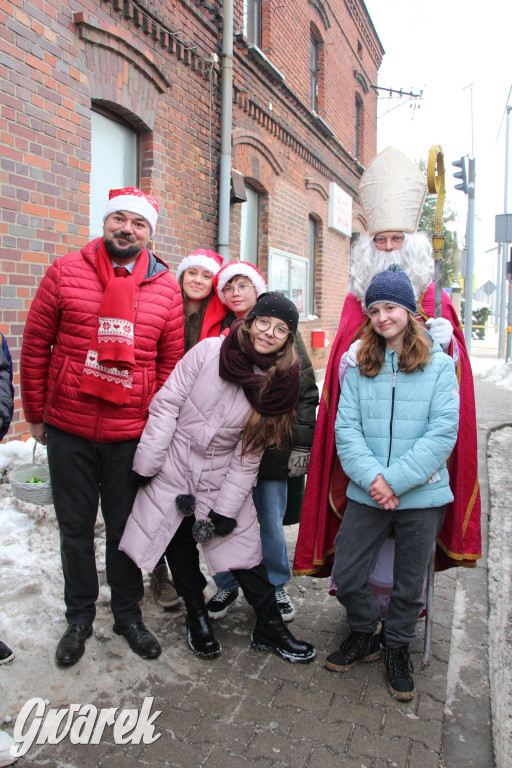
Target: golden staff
436	185
435	182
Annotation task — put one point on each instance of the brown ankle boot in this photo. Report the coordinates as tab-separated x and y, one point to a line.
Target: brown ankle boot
162	587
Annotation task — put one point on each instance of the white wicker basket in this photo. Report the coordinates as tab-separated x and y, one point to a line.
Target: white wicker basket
33	493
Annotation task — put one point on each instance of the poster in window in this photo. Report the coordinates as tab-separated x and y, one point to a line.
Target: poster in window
298	300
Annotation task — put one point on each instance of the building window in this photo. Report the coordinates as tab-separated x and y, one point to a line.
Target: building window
359	127
290	275
250	211
114	163
252	21
314	72
312	249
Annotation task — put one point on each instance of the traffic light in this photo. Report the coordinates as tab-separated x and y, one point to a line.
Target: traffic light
461	174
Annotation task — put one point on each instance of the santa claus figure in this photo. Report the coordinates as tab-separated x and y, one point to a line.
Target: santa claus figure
392	192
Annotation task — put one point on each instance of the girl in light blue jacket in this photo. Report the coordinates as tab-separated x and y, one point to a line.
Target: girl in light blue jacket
395	429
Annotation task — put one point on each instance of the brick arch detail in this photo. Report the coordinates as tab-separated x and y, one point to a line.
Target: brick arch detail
317	187
134	83
254	159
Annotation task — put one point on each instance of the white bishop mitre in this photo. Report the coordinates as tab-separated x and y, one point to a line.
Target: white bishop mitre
392	192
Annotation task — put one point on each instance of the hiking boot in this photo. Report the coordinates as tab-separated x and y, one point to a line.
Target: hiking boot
358	647
221	602
398	666
285	605
163	588
271	633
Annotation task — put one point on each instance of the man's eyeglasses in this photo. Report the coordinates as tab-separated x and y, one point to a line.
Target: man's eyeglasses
242	289
279	331
381	240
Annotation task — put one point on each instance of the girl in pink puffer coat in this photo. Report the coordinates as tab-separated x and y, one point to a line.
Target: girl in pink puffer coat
197	463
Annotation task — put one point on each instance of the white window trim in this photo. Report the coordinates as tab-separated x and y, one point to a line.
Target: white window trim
273	255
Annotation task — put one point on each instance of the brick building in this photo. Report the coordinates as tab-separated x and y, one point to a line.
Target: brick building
103	93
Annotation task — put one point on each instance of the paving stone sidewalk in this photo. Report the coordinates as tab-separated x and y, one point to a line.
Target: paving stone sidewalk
253	710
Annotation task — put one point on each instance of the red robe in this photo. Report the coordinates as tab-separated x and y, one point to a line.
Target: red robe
459	541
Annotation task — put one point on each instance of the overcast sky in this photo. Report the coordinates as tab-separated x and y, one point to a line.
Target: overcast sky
440	47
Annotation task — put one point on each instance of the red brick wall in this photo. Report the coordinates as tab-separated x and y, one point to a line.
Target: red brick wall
289	155
61	57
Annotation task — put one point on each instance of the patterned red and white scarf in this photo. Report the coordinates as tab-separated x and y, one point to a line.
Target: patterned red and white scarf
110	361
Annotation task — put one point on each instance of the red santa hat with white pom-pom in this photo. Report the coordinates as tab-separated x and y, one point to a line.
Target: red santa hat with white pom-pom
243	268
202	258
133	200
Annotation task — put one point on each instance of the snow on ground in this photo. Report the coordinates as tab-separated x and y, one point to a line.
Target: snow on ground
499	563
32	615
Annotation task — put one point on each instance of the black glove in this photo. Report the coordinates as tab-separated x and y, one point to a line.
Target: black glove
214	525
140	479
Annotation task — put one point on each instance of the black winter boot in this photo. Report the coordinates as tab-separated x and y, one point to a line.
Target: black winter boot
398	667
199	631
271	632
358	647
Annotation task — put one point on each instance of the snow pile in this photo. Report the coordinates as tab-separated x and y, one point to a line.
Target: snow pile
500	373
32	616
500	592
19	452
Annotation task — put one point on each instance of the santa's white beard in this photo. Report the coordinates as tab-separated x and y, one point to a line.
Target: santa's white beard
415	257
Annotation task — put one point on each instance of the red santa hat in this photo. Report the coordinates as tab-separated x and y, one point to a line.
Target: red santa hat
133	200
202	258
235	268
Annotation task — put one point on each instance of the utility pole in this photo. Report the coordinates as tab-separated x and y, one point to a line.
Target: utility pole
470	264
467	185
509	328
504	337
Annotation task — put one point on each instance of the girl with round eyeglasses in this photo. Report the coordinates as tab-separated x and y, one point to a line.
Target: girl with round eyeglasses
278	465
197	462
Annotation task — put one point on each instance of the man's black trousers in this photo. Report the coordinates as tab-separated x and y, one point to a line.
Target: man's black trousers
82	473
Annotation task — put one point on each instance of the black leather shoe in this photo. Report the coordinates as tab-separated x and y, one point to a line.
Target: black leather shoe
140	639
71	646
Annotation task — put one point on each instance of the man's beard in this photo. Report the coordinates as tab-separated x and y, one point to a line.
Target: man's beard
415	258
115	252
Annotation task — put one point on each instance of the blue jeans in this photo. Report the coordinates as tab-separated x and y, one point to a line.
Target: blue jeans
359	539
270	497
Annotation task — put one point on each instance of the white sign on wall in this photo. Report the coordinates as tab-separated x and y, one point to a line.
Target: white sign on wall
340	210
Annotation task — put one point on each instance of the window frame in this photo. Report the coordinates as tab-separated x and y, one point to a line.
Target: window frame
253	22
245	222
314	70
289	262
99	191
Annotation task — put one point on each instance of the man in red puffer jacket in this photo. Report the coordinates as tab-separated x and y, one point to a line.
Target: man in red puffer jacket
103	333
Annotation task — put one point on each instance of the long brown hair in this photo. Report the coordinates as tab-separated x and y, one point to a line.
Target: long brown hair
414	356
192	332
263	431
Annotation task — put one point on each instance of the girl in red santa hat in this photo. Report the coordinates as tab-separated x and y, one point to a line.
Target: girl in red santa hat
203	311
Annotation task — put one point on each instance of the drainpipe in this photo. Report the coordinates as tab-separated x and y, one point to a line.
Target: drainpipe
226	117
